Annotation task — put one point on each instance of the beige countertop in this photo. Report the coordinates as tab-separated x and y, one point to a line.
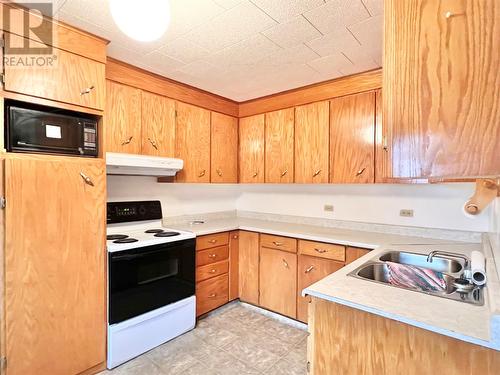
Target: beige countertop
476	324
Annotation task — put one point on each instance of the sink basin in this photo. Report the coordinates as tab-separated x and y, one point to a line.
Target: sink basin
439	264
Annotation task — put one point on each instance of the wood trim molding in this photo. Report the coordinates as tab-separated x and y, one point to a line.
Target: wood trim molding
130	75
354	84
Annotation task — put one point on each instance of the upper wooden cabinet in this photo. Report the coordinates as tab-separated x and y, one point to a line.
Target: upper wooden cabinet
158	125
352	138
122	121
441	87
279	145
382	150
311	143
192	133
71	78
224	148
251	155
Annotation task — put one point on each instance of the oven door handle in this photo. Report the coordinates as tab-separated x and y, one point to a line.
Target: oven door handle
138	255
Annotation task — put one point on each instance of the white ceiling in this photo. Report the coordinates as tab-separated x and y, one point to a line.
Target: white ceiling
243	49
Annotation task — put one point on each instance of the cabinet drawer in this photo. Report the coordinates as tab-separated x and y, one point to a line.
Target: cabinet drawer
322	250
278	243
210	270
209	256
212	240
211	294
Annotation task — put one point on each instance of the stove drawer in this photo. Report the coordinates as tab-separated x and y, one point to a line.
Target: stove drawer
210	256
211	294
211	270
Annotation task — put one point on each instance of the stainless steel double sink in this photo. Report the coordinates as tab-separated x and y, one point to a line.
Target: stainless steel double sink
452	270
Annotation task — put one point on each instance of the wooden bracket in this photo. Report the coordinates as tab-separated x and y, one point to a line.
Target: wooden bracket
486	191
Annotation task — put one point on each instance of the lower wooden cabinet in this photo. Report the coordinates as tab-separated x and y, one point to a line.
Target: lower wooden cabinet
211	293
278	281
249	267
234	241
353	253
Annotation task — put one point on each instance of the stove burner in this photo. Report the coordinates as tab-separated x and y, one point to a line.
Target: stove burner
167	234
112	237
154	231
126	240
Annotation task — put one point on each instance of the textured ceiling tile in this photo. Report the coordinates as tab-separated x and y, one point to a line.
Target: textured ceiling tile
159	60
336	41
299	54
189	14
291	33
232	26
122	53
228	4
184	50
332	63
197	69
282	10
335	14
369	31
362	66
375	7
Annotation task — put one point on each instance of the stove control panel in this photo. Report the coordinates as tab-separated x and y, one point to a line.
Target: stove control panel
121	212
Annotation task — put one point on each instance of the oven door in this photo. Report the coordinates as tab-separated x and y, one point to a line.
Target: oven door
147	278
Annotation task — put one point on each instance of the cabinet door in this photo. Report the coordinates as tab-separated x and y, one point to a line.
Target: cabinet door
158	125
309	271
353	253
251	155
382	137
249	267
224	149
234	240
311	143
71	79
192	136
55	264
279	146
278	281
352	138
441	96
122	121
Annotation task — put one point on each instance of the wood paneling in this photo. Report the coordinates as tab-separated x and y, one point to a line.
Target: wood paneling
211	270
382	140
208	256
352	138
278	242
211	294
251	149
122	121
441	97
234	264
55	264
192	133
323	250
224	149
311	143
278	281
314	93
212	240
133	76
279	144
353	253
350	341
158	125
249	267
310	270
64	81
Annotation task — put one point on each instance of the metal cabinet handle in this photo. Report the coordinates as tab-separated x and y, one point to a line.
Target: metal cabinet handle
278	243
219	172
285	263
213	295
212	255
360	172
309	269
255	174
86	90
153	143
212	241
87	179
126	142
317	173
283	174
213	270
321	251
386	148
202	173
235	237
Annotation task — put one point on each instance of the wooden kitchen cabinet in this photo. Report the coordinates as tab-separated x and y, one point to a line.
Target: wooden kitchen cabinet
158	125
441	96
353	253
352	138
55	261
382	150
249	267
251	149
224	149
279	146
311	143
234	241
122	121
192	134
310	270
278	281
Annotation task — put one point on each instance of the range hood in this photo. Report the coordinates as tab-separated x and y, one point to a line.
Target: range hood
141	165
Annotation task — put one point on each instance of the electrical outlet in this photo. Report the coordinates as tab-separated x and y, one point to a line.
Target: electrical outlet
328	207
406	213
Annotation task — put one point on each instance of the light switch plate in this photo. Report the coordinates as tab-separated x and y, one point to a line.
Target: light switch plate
406	213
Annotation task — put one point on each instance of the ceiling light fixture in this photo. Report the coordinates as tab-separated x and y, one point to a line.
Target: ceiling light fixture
144	20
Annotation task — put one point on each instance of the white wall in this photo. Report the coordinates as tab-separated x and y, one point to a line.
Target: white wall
435	206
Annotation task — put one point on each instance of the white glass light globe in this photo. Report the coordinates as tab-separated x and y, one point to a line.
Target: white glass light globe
144	20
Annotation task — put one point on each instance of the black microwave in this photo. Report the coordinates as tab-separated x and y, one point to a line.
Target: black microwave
49	130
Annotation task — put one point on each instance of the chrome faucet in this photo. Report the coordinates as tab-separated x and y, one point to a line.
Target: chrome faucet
434	253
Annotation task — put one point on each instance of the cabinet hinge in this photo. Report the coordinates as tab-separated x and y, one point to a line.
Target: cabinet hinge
308	367
2	202
3	363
